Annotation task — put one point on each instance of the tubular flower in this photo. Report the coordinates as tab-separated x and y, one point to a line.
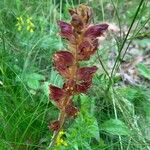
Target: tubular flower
86	73
95	30
63	60
82	41
66	29
56	93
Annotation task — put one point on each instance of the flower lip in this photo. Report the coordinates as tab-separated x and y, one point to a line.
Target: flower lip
56	93
64	57
95	31
86	73
66	29
86	48
62	61
83	86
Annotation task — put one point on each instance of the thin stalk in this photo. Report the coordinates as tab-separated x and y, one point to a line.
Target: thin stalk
62	114
102	6
105	70
118	57
116	116
124	41
60	10
117	15
133	38
56	133
129	45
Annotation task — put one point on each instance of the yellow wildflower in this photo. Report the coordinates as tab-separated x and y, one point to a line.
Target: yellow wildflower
19	23
60	140
30	25
20	20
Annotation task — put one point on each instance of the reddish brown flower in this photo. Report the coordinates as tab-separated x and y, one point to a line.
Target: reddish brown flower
86	73
83	86
71	111
87	48
66	30
84	77
55	125
69	86
56	93
96	30
63	60
84	50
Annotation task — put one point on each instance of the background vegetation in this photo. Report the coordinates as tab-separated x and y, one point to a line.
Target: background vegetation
115	113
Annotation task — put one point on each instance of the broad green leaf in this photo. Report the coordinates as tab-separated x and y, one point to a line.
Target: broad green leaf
45	88
144	70
33	80
115	127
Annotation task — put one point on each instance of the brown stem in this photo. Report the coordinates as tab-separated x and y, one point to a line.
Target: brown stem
56	133
62	114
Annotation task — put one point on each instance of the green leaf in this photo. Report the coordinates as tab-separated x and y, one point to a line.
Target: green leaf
33	80
95	131
144	70
115	127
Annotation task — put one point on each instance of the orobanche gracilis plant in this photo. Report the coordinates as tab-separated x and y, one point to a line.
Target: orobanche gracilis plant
82	42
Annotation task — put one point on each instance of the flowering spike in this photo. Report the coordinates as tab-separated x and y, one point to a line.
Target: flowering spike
82	41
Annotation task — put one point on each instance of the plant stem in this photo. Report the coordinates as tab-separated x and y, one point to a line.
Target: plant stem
62	114
122	46
56	133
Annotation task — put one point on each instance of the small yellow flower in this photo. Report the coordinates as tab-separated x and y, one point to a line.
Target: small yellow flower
60	140
30	25
19	23
20	20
